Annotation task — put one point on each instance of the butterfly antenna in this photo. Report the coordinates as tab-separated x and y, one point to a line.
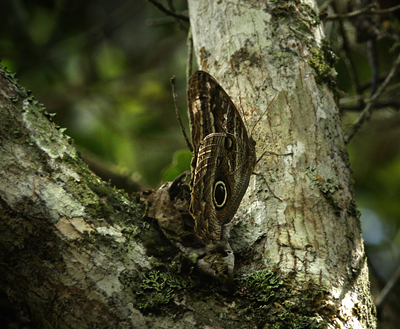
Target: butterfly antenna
240	106
259	119
189	60
178	116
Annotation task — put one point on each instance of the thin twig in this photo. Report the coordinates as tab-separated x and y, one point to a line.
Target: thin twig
324	5
393	103
366	113
348	58
189	145
365	11
168	12
366	85
373	62
189	43
177	20
387	289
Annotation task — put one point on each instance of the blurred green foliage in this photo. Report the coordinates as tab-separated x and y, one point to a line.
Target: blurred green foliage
104	68
375	150
180	163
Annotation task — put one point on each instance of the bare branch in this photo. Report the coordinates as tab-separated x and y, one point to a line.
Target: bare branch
366	113
169	12
365	11
393	103
177	20
388	288
373	62
348	58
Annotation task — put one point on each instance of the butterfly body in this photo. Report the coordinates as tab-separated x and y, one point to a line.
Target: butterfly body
223	160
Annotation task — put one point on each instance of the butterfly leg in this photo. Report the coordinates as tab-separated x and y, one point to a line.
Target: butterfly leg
277	154
219	261
261	175
273	194
216	261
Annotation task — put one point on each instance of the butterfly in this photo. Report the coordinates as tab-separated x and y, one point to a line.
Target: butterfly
223	157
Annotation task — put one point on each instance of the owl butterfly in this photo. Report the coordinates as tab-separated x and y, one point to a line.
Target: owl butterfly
223	158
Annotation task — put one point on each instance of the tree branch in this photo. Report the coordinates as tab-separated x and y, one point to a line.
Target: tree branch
366	113
393	103
365	11
387	289
177	20
348	58
168	12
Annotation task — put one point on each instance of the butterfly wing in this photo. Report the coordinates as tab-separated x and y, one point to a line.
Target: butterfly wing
223	160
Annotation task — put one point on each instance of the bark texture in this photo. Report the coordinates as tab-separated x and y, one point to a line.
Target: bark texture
258	51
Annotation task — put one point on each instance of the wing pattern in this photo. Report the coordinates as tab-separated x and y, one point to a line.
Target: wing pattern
223	159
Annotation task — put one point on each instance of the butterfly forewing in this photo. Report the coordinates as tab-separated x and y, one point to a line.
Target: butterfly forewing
223	160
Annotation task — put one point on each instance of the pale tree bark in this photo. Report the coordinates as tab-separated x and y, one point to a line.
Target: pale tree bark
258	51
74	253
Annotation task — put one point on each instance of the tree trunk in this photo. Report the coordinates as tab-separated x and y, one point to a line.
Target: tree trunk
74	253
258	52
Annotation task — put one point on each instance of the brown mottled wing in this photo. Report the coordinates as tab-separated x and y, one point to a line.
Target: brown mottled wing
224	155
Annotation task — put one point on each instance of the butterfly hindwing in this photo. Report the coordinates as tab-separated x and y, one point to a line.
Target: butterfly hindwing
223	159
